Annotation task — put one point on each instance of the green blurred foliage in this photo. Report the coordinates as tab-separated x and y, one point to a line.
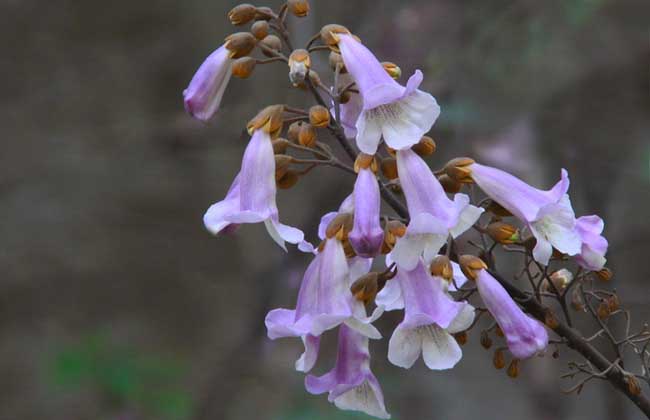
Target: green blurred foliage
128	378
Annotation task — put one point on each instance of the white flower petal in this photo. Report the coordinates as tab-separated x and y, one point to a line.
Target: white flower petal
368	133
404	347
463	321
440	350
362	398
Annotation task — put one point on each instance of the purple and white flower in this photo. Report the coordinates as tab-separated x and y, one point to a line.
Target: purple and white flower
351	384
525	336
594	245
402	115
548	214
204	93
367	235
433	215
251	198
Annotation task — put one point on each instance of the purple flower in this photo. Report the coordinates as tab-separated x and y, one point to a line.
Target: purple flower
203	96
433	215
251	198
431	317
594	245
548	214
525	336
367	235
350	110
402	115
351	384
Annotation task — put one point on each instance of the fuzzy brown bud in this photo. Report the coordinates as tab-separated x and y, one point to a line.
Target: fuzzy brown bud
240	44
513	369
441	267
449	185
264	13
299	8
392	69
633	385
550	320
293	132
560	279
271	44
577	303
365	288
299	65
282	163
328	34
242	14
425	147
280	146
499	359
459	170
365	161
394	229
336	60
269	119
503	233
307	135
486	341
289	179
243	67
260	29
603	311
498	331
605	274
470	265
389	168
319	116
340	226
613	303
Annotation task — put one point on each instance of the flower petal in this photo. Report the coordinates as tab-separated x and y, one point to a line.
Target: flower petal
404	347
440	350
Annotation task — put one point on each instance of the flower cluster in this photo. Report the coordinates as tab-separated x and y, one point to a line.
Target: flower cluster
423	273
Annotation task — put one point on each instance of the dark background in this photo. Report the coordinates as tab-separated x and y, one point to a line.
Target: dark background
115	303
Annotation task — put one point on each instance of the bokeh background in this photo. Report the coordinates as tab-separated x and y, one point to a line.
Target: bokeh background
115	303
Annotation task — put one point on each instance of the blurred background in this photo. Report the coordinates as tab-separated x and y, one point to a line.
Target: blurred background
115	303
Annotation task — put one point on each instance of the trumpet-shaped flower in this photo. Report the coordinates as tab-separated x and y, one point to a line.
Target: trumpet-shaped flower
433	215
204	93
251	198
594	245
351	384
402	115
525	336
431	316
367	235
548	214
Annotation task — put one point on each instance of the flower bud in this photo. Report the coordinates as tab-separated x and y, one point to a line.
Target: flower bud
449	185
499	359
299	8
633	385
513	369
551	320
264	13
348	249
441	267
340	226
392	69
470	265
260	29
613	303
280	146
605	274
288	180
345	97
243	67
271	42
307	135
336	60
458	170
389	168
486	341
603	311
498	331
319	116
299	65
328	34
294	132
365	161
577	303
425	147
496	209
240	44
461	338
365	288
503	233
242	14
282	163
394	229
270	119
560	279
